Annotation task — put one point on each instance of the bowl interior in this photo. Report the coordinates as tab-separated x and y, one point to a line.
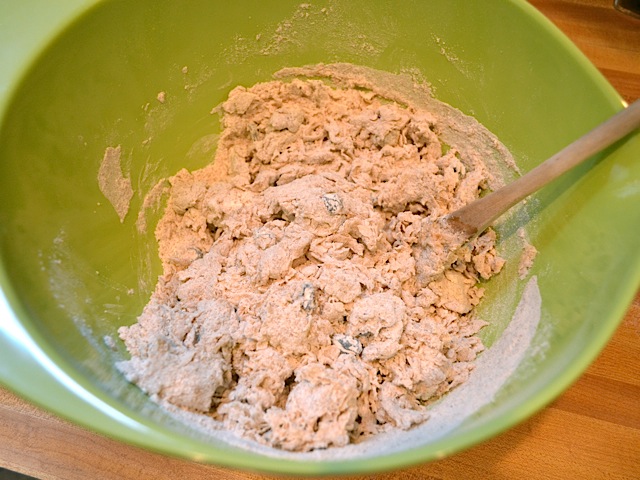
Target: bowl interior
73	273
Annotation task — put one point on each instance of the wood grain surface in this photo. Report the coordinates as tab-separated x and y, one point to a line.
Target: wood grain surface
591	432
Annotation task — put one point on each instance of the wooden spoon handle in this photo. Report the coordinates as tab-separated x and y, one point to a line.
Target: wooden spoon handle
478	215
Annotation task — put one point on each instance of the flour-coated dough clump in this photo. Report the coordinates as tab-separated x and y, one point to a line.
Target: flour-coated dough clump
291	307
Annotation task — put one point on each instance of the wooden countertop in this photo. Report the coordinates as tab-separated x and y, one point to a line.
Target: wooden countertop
592	431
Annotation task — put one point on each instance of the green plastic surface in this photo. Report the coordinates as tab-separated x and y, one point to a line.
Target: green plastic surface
82	75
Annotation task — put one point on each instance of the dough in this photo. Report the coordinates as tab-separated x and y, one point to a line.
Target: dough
114	185
291	308
529	253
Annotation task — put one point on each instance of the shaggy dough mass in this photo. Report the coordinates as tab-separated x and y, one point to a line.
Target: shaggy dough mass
291	307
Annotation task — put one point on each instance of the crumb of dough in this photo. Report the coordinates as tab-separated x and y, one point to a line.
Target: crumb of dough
290	308
109	342
185	70
113	184
161	97
529	253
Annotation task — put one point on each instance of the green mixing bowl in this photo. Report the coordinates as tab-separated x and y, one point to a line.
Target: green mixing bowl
82	75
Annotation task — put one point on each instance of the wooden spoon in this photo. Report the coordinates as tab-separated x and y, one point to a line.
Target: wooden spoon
474	218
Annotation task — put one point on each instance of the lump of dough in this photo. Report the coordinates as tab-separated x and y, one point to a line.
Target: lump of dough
276	260
398	408
188	363
176	375
378	320
320	411
452	290
285	322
